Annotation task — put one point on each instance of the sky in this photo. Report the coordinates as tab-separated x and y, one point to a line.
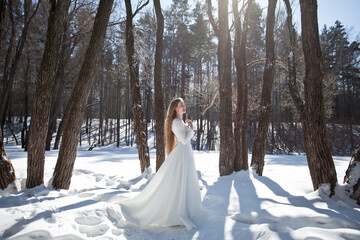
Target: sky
346	11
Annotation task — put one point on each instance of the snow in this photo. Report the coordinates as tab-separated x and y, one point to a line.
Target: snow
279	205
354	175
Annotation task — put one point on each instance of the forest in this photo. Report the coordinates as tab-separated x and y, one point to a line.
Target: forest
100	73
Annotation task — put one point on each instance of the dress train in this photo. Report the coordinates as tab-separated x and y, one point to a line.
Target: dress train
173	195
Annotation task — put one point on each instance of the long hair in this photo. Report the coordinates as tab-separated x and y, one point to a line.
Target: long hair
169	135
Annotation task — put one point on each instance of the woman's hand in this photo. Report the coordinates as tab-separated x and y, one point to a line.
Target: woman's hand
189	122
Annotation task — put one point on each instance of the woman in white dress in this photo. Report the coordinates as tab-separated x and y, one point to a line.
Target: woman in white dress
173	195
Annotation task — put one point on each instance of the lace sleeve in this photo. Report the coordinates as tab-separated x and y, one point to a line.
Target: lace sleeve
182	133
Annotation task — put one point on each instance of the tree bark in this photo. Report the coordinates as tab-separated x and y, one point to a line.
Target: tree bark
321	164
44	86
226	161
293	90
7	171
101	118
159	101
352	175
241	122
138	112
5	82
24	130
65	54
59	132
118	111
9	74
311	111
67	153
259	147
2	17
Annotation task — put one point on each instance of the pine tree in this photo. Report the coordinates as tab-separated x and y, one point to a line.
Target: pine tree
341	60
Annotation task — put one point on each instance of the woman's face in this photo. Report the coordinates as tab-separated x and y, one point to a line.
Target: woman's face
180	108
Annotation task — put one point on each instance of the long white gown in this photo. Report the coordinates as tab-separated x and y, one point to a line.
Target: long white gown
173	195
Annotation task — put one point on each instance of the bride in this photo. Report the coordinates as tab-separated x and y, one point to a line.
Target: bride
173	195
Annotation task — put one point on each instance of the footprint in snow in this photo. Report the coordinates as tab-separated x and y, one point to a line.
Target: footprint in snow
85	194
252	218
81	171
91	226
272	219
321	220
117	232
244	218
279	228
94	231
99	177
89	221
114	212
124	185
109	183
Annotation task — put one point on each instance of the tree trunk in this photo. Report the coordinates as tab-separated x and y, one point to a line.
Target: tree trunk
9	74
118	112
138	112
44	87
7	171
198	130
311	111
259	147
77	105
321	164
65	54
294	93
9	52
59	132
159	101
2	17
352	175
226	161
241	123
24	129
101	118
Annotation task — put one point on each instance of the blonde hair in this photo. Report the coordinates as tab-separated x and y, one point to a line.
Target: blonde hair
169	135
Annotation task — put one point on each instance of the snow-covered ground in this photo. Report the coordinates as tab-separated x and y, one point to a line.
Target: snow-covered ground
279	205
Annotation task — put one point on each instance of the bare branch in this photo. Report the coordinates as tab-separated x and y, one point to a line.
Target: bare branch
116	23
263	60
258	61
211	102
211	18
37	7
140	8
282	64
